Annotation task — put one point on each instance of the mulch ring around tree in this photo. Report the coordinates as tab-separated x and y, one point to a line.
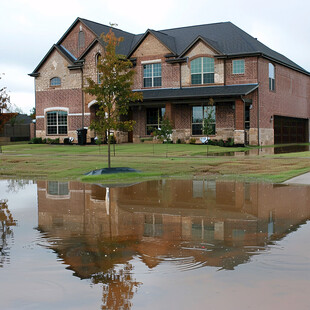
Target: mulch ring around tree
111	171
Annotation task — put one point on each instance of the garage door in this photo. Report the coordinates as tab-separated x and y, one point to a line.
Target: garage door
290	130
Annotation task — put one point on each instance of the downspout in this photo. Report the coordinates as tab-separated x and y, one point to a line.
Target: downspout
180	75
258	134
35	106
244	118
82	85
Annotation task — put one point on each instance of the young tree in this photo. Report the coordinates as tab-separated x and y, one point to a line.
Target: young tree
4	99
114	93
208	122
164	132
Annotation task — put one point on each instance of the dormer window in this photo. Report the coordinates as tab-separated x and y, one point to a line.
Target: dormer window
152	75
202	70
55	81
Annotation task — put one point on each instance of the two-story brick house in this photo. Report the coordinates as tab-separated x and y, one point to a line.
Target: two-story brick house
259	96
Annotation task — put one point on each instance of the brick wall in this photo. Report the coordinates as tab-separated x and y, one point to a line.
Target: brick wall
250	75
291	95
225	115
57	66
151	49
71	41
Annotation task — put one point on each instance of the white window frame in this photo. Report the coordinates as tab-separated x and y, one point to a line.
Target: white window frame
236	66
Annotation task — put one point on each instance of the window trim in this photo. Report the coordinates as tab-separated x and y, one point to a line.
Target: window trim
272	81
151	64
51	110
98	74
159	118
201	73
203	117
55	78
81	39
235	61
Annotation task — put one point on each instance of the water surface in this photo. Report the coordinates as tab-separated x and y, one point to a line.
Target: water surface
168	244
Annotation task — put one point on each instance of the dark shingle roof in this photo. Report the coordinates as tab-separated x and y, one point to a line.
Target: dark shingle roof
198	92
98	29
226	38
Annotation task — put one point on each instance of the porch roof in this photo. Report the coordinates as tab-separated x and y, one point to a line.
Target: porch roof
197	92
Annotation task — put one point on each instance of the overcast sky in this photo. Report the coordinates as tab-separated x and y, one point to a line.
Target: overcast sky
31	27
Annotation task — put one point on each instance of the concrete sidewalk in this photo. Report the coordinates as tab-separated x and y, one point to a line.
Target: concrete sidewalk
301	179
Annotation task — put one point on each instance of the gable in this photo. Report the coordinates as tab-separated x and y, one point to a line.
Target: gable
78	39
150	46
56	65
200	48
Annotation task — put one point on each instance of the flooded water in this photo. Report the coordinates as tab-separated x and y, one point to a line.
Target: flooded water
293	148
168	244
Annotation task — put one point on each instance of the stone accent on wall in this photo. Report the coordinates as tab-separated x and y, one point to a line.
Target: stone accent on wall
224	133
266	136
239	136
183	134
253	137
121	136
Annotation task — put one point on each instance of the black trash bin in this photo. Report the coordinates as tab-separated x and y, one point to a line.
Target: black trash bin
82	133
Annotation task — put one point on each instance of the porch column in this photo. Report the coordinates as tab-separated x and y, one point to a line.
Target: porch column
239	122
169	112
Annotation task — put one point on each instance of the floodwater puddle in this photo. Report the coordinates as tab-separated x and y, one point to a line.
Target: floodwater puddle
166	244
293	148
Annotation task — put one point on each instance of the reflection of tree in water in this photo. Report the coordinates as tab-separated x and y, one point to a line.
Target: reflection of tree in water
15	185
118	287
103	261
6	220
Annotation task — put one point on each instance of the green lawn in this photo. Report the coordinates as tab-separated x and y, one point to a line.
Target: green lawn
71	162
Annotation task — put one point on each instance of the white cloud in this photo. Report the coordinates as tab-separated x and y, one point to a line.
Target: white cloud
31	27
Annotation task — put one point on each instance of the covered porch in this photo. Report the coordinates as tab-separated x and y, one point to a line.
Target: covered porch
234	108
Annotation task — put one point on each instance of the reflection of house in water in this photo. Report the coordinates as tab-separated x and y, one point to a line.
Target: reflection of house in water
219	224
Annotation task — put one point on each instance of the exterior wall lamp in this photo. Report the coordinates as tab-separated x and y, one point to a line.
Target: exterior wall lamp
271	119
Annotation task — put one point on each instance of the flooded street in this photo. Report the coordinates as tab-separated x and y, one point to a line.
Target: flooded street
166	244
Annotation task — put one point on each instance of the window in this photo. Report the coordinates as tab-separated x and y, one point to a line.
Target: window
152	75
238	66
271	77
199	113
81	39
56	123
247	117
154	116
55	81
99	75
202	70
58	188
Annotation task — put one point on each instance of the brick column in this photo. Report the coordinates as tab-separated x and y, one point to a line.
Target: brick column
169	112
239	122
239	115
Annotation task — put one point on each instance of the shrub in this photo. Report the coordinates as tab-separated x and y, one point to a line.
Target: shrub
67	141
192	141
179	141
36	141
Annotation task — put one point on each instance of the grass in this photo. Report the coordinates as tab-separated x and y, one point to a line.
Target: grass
71	162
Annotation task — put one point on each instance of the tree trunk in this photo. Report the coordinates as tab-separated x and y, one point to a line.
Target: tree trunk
109	150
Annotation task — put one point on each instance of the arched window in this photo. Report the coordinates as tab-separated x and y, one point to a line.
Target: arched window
55	81
81	39
271	77
99	75
202	70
